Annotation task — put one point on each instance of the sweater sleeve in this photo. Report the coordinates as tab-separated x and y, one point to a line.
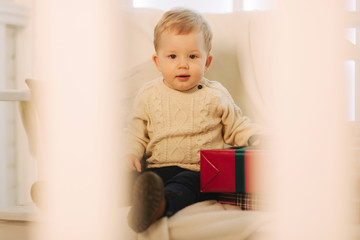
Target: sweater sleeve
136	132
237	128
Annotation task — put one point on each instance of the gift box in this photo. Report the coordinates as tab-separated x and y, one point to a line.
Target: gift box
233	170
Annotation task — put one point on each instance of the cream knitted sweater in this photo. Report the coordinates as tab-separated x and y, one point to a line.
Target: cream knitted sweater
171	127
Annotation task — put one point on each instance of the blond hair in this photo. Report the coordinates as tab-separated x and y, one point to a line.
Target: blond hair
183	21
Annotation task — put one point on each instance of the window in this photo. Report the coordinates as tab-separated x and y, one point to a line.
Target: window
352	70
350	89
209	6
250	5
200	5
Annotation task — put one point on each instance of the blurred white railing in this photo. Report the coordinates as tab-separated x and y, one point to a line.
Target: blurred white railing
12	18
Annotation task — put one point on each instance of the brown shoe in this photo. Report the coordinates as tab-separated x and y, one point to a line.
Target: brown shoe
149	202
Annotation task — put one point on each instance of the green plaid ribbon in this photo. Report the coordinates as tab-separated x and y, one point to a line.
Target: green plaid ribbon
240	169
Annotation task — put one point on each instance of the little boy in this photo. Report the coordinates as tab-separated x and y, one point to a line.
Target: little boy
175	117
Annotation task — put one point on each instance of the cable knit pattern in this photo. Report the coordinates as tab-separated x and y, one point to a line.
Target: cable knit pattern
171	127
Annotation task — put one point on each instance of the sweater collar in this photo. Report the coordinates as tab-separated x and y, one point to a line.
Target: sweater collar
197	87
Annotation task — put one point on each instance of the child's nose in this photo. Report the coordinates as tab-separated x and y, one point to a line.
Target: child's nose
183	62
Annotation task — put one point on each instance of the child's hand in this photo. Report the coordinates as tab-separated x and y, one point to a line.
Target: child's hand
254	140
133	162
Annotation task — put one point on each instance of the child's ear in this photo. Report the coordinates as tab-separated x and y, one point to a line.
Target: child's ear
156	61
208	62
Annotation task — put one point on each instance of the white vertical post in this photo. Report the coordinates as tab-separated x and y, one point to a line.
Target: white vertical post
357	79
357	69
78	58
309	122
3	130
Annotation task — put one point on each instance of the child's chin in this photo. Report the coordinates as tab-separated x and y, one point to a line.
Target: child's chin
184	87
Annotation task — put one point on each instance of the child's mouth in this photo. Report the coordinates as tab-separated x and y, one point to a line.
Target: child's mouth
183	77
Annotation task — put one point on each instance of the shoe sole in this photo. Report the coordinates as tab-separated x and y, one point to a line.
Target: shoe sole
147	196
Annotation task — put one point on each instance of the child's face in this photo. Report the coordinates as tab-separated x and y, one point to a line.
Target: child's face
182	59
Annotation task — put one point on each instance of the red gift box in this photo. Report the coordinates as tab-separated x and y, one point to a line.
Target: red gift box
240	170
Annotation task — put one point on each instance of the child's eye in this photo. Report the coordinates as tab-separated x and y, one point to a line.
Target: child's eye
192	56
172	56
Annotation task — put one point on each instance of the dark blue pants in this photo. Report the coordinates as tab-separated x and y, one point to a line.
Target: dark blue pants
182	188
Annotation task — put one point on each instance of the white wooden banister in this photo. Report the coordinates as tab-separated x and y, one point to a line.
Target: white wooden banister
12	16
14	95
